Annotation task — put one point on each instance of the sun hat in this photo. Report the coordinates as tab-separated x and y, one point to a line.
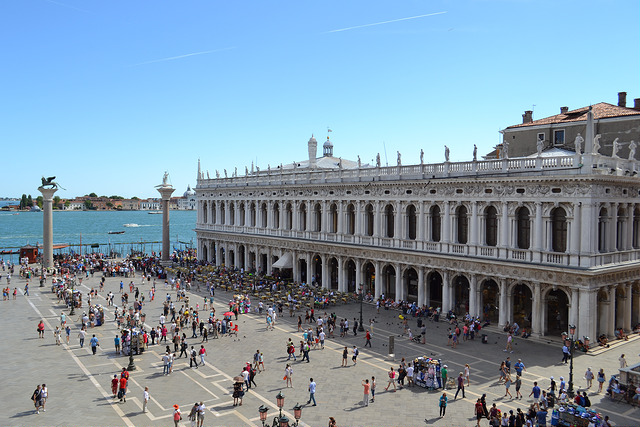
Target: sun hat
176	406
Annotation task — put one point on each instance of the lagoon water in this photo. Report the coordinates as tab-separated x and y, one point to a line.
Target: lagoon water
93	227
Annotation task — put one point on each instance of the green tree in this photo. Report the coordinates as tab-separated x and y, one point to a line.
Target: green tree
135	198
88	205
109	205
116	197
29	201
39	201
56	202
23	202
93	195
67	203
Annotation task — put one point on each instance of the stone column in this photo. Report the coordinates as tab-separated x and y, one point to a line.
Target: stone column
504	226
421	287
474	225
269	267
588	314
473	294
357	226
326	280
446	225
378	280
574	241
358	263
613	227
446	294
295	267
399	285
47	226
165	191
626	324
536	312
341	281
420	225
398	232
611	324
573	308
309	258
502	309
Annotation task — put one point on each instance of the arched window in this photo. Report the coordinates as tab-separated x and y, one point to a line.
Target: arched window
214	213
389	223
436	223
317	217
603	220
302	213
333	218
263	215
242	215
223	214
351	219
288	220
462	224
558	230
635	241
369	217
204	212
276	215
252	215
523	223
491	226
411	222
232	214
620	229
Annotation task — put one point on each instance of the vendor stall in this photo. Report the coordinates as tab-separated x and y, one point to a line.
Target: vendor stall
568	414
427	373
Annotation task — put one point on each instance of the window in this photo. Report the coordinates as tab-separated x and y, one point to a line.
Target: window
603	222
435	224
558	137
389	220
558	230
462	225
411	222
491	226
541	136
524	228
369	220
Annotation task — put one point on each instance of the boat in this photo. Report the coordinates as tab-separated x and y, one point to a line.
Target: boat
154	212
131	225
35	209
116	232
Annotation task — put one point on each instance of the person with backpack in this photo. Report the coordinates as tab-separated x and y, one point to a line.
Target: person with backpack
38	399
177	415
354	357
193	358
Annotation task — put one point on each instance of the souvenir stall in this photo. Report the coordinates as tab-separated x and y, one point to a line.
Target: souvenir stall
569	415
427	373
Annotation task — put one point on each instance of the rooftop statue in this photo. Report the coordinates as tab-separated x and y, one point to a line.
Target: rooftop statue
217	174
446	153
359	163
378	160
577	143
505	149
540	146
399	159
475	152
632	150
596	144
421	156
616	148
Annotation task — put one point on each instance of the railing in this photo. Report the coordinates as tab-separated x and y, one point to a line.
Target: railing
385	243
458	249
408	244
347	238
555	258
488	252
520	254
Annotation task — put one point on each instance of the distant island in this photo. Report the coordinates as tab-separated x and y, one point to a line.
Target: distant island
93	202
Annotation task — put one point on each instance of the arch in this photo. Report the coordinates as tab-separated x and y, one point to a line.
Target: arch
635	229
618	314
263	215
635	304
369	218
388	220
389	281
241	258
491	226
317	217
302	270
621	228
558	230
333	273
333	218
351	219
252	214
603	221
232	213
410	220
434	281
522	303
461	289
523	225
316	269
436	224
410	284
369	277
490	301
302	217
462	225
603	312
214	213
557	312
204	213
232	258
205	252
223	213
350	268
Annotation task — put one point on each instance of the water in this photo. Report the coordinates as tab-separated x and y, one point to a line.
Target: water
93	227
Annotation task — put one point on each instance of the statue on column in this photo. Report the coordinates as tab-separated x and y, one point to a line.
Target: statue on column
165	178
446	153
225	173
399	159
378	160
475	153
359	163
217	174
577	143
49	182
421	156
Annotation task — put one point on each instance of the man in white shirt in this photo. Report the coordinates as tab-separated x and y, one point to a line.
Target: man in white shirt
145	399
201	409
409	375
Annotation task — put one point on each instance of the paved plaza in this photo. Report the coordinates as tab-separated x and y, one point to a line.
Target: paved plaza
79	383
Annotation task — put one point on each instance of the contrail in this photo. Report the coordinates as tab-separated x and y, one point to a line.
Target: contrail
384	22
171	58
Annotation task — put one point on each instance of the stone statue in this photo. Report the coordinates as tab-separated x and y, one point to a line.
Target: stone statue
49	182
616	148
246	171
257	169
378	160
235	171
217	174
225	173
446	153
421	156
340	162
577	143
399	159
596	144
632	150
540	146
475	153
251	167
359	163
165	178
268	167
505	149
208	177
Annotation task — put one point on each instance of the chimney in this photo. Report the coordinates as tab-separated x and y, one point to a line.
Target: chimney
527	117
563	110
622	99
636	104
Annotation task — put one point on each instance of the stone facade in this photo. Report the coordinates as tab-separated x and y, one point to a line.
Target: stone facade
544	241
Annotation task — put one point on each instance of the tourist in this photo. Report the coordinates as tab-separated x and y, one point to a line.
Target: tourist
41	329
373	389
509	346
201	413
203	353
37	398
367	387
443	404
116	341
518	383
354	356
288	375
312	391
145	399
392	379
589	377
507	384
535	392
368	338
623	362
479	410
122	392
177	415
601	380
460	386
345	355
45	396
94	344
467	370
519	367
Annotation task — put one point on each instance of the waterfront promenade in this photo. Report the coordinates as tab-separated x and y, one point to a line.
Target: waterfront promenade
79	383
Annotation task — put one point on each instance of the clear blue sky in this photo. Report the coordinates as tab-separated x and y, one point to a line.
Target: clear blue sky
89	92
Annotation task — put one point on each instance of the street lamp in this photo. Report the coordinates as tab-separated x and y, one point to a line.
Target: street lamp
73	303
132	366
280	420
361	288
572	332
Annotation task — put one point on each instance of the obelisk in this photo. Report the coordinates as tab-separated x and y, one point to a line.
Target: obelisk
47	226
165	189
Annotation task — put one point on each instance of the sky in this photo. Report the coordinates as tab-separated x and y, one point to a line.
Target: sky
108	95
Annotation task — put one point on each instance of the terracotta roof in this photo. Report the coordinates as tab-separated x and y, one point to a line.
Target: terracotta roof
601	110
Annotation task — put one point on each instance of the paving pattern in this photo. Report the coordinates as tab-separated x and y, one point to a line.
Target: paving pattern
79	383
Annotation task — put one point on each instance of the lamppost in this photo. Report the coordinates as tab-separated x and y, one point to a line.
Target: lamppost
73	303
361	289
280	420
572	332
132	366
